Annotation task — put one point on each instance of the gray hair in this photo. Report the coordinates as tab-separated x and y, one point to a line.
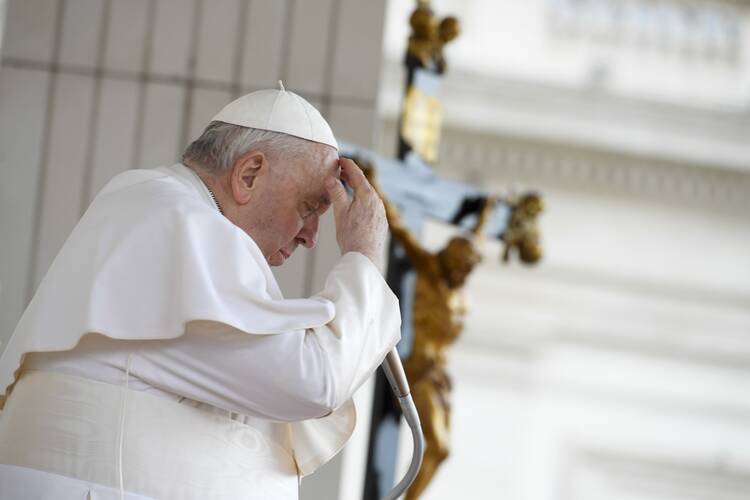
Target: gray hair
222	144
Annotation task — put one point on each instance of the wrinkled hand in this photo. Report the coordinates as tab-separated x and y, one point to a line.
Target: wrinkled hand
360	220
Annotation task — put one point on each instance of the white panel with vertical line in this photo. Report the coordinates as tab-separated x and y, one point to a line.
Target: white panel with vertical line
115	133
160	133
308	44
80	32
65	166
358	50
170	48
23	103
30	29
127	34
261	61
217	34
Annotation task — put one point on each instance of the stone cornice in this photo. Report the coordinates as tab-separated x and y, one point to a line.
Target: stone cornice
501	159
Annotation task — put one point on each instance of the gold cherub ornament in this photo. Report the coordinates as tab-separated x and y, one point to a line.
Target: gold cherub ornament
429	35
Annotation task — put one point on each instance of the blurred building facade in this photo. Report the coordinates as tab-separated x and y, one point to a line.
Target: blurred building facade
619	367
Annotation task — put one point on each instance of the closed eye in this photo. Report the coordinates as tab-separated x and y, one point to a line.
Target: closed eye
309	210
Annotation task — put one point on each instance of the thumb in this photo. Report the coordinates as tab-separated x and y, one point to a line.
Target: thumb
338	195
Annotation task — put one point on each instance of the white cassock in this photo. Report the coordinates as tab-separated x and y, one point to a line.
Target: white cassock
158	358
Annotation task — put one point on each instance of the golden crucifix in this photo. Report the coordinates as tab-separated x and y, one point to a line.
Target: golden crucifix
438	317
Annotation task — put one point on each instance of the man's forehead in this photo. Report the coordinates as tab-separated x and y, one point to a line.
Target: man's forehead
333	170
317	192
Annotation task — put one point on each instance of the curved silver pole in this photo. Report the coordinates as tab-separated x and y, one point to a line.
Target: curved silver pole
394	372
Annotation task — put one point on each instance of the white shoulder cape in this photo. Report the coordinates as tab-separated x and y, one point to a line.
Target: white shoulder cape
150	255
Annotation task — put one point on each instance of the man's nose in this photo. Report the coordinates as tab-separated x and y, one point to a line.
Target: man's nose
309	232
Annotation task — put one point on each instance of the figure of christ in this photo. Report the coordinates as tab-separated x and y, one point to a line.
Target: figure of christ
438	316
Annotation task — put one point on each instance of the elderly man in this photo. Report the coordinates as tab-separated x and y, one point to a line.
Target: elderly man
158	358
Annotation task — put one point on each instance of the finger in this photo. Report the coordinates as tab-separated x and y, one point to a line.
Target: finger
354	176
339	198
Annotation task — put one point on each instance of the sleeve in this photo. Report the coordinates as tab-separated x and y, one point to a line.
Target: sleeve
288	376
366	327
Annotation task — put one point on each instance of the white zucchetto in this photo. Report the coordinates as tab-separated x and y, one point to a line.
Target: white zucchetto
278	111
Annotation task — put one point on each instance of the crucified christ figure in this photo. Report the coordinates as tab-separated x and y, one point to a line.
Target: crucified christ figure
438	315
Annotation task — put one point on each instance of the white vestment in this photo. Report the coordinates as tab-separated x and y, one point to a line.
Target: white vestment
158	351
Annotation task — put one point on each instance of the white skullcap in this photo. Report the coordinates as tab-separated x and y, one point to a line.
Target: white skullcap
278	111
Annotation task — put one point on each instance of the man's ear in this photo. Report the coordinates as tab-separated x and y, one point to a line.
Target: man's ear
245	174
